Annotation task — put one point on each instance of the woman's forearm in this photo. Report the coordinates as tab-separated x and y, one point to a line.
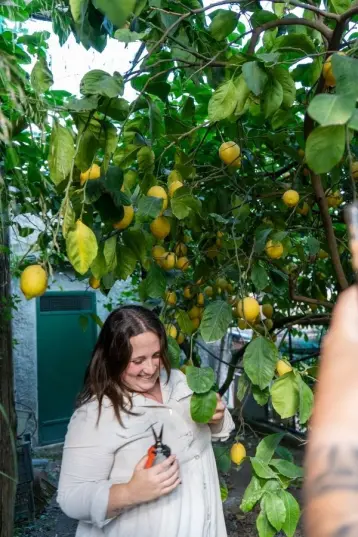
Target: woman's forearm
120	497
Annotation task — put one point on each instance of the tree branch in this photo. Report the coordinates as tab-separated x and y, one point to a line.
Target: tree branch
310	7
316	25
306	299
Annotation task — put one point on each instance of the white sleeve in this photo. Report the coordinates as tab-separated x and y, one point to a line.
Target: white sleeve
222	430
88	457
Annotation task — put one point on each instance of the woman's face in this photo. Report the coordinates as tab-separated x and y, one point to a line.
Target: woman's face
143	369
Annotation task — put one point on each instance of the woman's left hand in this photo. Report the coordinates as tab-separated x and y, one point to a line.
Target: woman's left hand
219	411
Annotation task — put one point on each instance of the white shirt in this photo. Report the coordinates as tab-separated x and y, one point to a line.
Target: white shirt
96	457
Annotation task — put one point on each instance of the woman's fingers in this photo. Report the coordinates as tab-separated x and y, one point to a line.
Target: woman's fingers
173	470
172	487
163	466
169	482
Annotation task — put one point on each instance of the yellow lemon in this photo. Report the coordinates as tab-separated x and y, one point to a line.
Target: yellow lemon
327	71
282	368
158	253
229	152
174	176
354	170
195	323
127	218
182	263
212	252
181	249
304	209
291	198
160	227
188	292
209	291
200	299
248	309
94	282
180	338
194	312
171	330
33	281
267	310
168	262
174	187
219	234
274	249
170	298
94	172
334	199
159	192
237	453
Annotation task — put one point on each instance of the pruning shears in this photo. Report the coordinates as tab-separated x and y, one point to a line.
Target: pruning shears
158	452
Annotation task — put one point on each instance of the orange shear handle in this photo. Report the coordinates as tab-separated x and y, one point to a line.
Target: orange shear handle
152	453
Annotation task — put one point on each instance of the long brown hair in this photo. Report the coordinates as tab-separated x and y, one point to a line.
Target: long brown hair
112	354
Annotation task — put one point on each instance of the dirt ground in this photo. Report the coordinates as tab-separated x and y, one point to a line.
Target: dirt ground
53	523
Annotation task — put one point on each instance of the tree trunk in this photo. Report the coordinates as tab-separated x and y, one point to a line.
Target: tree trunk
7	406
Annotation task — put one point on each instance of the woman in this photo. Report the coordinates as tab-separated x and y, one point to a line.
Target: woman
129	389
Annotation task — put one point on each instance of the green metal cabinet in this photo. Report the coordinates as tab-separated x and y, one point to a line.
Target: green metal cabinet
64	350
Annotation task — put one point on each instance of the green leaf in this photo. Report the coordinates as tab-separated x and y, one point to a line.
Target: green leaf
81	247
145	158
155	120
329	109
306	400
126	262
124	156
353	122
252	495
216	320
126	36
117	109
86	104
200	379
285	397
155	282
269	38
99	267
260	361
135	240
263	525
292	513
339	6
202	406
286	468
274	509
272	97
259	277
149	207
223	24
61	154
242	386
295	42
262	16
284	453
261	469
224	491
173	353
223	102
222	457
325	148
261	396
110	253
283	76
314	245
243	93
280	118
267	447
77	9
184	322
117	11
41	76
98	82
183	202
255	77
345	70
68	216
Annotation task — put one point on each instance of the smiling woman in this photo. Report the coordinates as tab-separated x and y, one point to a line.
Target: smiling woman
130	399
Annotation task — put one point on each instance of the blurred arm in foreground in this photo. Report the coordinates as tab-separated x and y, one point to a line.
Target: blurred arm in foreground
331	485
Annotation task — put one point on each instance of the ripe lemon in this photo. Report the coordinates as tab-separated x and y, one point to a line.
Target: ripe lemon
334	199
248	309
195	323
219	234
168	262
94	283
291	198
327	71
187	292
182	263
237	453
159	192
180	338
322	254
127	218
181	249
212	252
229	152
94	172
174	187
33	281
170	298
200	299
354	170
267	310
171	330
282	368
194	312
130	179
160	227
174	176
274	249
158	253
209	291
303	209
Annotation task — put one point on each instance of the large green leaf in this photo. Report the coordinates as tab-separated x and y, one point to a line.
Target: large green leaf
262	469
202	406
117	11
260	361
98	82
77	9
345	70
223	102
274	509
126	262
135	240
243	93
242	386
155	282
81	246
284	77
200	379
263	525
261	396
292	513
173	353
110	253
183	202
223	24
99	266
325	148
339	6
259	277
296	42
329	109
126	36
306	400
216	320
285	396
272	97
267	447
255	77
117	109
184	322
222	457
61	155
41	76
252	495
124	156
287	469
149	207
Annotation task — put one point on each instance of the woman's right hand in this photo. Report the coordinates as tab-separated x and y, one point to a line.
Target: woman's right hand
152	483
